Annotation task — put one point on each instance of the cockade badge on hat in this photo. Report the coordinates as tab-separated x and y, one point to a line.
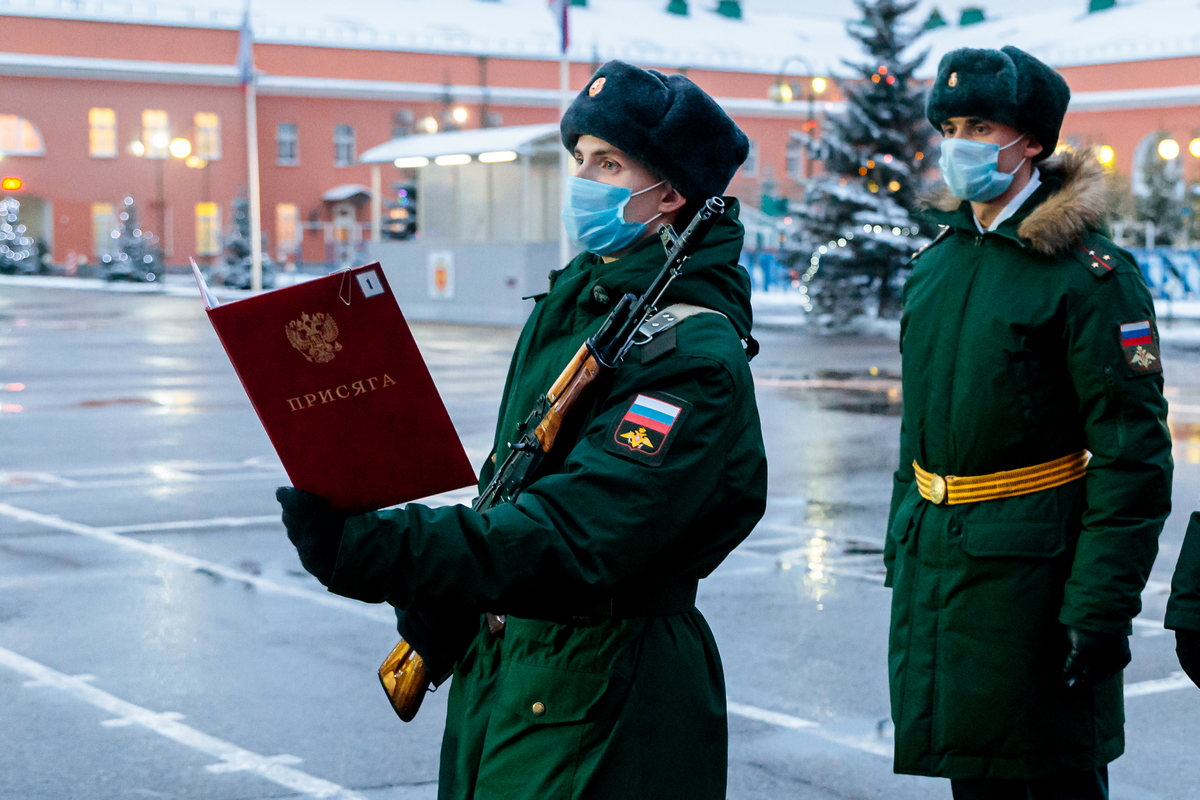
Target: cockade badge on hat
596	86
953	81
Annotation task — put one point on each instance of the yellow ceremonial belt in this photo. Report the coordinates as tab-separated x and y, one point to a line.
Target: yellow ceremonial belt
953	490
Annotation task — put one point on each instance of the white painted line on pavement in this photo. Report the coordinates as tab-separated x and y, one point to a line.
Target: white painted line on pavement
151	480
378	613
195	524
233	758
1177	680
868	744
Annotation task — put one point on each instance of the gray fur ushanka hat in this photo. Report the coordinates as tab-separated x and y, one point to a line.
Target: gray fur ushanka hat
666	122
1008	86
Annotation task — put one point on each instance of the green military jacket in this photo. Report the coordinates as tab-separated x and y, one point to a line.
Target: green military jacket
611	707
1021	346
1183	609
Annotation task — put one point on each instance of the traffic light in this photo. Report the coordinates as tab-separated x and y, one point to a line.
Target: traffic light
11	184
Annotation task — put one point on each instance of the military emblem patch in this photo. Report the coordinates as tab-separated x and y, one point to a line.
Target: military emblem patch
1140	348
646	428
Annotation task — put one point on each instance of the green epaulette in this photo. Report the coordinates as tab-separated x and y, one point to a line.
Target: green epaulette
1096	253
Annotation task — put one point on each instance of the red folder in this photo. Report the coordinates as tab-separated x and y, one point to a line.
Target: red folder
340	386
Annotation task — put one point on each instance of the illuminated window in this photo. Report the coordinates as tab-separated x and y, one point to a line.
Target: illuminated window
104	225
208	136
343	146
156	133
102	133
287	144
19	137
287	230
207	227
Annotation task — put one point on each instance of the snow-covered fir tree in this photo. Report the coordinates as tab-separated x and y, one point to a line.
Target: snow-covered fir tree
1161	194
863	209
237	251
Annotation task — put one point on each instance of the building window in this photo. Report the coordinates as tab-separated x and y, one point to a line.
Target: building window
343	146
402	123
287	144
208	136
795	159
750	165
287	230
102	133
207	226
19	137
156	133
104	226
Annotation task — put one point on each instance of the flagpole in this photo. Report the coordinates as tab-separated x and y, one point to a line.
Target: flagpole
256	283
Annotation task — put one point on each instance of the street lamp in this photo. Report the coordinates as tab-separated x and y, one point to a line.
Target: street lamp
782	92
179	148
1194	147
1168	149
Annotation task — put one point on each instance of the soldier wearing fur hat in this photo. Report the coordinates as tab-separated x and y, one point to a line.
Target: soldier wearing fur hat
1035	466
604	681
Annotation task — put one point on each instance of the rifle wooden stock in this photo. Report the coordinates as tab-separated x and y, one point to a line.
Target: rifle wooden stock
404	679
567	390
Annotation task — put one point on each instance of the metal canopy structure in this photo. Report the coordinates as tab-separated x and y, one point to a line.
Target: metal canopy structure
521	139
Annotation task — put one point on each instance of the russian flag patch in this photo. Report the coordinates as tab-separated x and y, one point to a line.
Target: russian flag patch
1135	333
646	428
1140	348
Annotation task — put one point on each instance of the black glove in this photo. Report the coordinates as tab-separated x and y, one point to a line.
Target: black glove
1094	657
314	527
1187	647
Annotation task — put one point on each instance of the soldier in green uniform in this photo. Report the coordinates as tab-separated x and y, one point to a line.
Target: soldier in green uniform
1029	346
605	681
1183	609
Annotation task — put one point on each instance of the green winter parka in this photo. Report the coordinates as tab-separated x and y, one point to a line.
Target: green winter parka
1183	609
1021	346
559	707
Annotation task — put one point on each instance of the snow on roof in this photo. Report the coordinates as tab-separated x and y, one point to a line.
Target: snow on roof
1070	36
520	138
634	30
345	192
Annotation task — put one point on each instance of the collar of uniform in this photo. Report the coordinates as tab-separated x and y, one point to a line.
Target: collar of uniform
1013	205
963	217
631	272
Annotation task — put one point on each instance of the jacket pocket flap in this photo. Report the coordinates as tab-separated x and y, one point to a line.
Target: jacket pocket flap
547	695
1014	538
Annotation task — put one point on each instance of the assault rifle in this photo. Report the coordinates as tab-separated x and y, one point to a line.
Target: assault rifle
403	673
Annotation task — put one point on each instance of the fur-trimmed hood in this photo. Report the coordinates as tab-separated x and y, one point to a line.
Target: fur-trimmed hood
1078	202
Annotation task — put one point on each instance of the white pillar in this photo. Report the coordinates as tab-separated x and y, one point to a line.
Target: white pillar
376	205
255	206
564	160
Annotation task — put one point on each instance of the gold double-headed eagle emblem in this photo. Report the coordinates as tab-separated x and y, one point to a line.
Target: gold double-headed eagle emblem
315	336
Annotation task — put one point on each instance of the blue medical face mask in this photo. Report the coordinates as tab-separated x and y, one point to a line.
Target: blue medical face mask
969	169
594	215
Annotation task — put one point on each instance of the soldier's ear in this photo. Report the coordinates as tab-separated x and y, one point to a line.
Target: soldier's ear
671	200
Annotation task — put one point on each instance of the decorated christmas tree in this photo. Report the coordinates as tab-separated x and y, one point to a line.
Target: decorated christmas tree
237	251
137	256
862	211
19	253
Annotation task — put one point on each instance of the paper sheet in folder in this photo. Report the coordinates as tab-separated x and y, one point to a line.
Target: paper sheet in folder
340	386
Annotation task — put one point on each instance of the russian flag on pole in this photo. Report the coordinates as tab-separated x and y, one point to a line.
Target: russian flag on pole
245	60
1135	333
561	11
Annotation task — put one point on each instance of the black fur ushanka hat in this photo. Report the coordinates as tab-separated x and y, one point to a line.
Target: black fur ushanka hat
664	121
1008	86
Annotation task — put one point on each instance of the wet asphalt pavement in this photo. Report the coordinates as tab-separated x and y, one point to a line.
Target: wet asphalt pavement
158	637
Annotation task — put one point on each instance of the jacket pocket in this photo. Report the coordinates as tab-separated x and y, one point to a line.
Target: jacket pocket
1026	539
902	522
548	696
